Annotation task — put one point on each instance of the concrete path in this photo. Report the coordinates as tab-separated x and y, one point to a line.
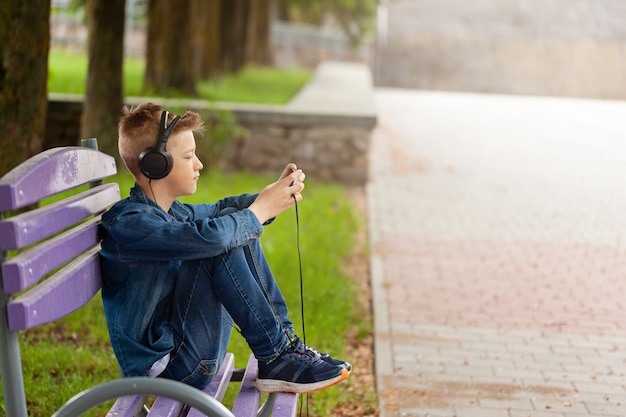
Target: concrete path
498	239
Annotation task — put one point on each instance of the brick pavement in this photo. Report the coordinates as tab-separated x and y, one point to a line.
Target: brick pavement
498	255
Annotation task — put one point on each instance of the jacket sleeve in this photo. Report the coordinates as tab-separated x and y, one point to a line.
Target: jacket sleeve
151	235
240	202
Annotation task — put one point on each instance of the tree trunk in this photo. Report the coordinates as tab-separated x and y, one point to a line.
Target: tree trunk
282	10
257	42
24	44
206	31
169	63
104	96
235	17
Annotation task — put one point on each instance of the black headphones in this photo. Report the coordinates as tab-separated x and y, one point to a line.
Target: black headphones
156	162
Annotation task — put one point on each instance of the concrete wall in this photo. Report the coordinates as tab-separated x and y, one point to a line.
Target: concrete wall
536	47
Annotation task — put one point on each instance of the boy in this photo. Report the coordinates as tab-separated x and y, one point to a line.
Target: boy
176	276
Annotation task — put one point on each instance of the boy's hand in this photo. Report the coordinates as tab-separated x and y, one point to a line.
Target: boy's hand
279	196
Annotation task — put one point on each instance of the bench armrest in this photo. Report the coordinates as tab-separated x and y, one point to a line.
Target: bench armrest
186	394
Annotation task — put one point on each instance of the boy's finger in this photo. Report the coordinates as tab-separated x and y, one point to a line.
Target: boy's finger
294	176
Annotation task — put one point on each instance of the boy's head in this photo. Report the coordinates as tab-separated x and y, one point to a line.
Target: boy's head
139	128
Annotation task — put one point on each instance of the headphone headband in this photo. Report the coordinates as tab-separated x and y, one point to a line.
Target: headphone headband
164	130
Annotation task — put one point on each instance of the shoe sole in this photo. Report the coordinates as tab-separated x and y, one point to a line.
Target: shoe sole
277	385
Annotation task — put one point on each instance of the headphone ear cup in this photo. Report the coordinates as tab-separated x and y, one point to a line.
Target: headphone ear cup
155	163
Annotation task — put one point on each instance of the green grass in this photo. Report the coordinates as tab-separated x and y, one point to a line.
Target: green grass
73	354
256	85
67	74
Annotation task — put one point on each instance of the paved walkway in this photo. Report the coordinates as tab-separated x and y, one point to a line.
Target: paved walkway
498	229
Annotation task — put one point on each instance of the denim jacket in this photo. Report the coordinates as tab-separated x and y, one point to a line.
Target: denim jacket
143	248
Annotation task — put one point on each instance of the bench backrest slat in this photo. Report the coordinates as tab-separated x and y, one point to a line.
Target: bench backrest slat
26	268
30	227
59	295
51	172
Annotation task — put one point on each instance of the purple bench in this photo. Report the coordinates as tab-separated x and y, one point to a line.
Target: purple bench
56	271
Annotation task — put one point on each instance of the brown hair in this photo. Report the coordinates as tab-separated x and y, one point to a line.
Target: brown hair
139	127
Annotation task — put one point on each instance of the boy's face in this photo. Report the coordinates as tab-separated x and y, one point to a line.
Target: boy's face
183	178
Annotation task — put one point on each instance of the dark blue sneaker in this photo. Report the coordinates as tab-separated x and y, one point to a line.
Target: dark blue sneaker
328	359
298	370
325	356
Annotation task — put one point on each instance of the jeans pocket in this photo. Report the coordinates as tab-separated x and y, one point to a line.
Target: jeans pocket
202	374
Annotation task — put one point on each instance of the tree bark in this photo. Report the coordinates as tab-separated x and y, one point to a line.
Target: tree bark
282	10
257	42
104	95
169	63
24	44
235	17
206	38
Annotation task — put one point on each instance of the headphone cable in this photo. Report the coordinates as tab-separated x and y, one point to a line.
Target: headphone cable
152	191
300	269
301	290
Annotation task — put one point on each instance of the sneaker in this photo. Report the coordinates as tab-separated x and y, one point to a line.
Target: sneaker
326	357
337	362
298	370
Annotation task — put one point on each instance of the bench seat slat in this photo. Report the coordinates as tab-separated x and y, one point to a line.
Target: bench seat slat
59	295
25	269
61	168
285	405
219	384
22	230
129	406
248	400
165	407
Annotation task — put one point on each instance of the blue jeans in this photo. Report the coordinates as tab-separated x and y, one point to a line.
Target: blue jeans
210	294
